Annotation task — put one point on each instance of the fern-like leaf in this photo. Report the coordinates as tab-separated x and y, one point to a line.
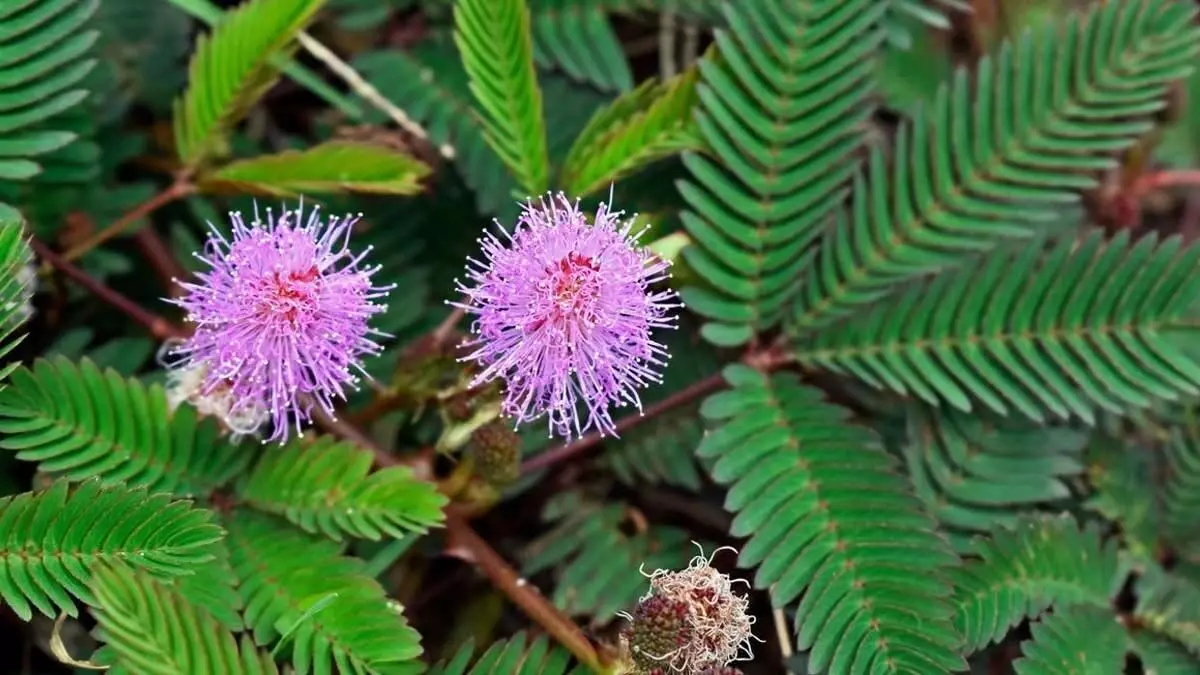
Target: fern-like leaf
328	487
1169	605
44	50
598	564
649	123
15	257
1002	150
282	572
974	476
830	519
335	166
231	69
1060	333
495	40
1074	640
77	422
1126	490
152	629
1160	656
576	37
212	585
783	106
1020	572
49	541
1181	494
516	656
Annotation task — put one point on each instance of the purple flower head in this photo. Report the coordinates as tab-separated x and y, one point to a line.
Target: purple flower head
564	312
281	315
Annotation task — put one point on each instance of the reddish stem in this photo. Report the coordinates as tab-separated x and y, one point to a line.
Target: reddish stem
177	190
569	450
159	327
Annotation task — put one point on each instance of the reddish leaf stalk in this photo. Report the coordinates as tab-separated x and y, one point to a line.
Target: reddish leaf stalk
179	189
159	327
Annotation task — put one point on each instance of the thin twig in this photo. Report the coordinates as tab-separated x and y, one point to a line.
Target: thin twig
446	328
177	190
586	442
368	91
160	257
159	327
475	550
668	66
521	592
781	632
764	360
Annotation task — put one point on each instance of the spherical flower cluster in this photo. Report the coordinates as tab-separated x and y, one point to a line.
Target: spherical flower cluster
281	317
563	315
690	622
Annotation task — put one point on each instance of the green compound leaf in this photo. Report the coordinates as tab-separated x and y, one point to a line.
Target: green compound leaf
784	102
495	40
1001	151
284	572
576	37
1169	605
78	422
1076	640
1160	656
1055	333
831	522
1021	572
153	629
974	475
50	540
230	71
44	59
15	292
516	656
335	166
649	123
328	487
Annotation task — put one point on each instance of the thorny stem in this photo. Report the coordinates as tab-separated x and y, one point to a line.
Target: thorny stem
177	190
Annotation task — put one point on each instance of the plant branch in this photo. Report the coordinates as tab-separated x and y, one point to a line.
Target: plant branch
365	89
567	451
446	328
159	327
474	549
763	360
177	190
521	592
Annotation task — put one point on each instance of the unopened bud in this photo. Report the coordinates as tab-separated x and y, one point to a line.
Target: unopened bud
497	452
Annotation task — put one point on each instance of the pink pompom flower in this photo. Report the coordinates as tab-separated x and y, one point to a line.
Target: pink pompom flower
564	311
281	315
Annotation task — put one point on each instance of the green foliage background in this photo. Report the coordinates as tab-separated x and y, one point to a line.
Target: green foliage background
937	380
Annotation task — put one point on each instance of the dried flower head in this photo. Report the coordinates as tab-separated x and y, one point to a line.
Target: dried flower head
281	316
563	315
690	622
